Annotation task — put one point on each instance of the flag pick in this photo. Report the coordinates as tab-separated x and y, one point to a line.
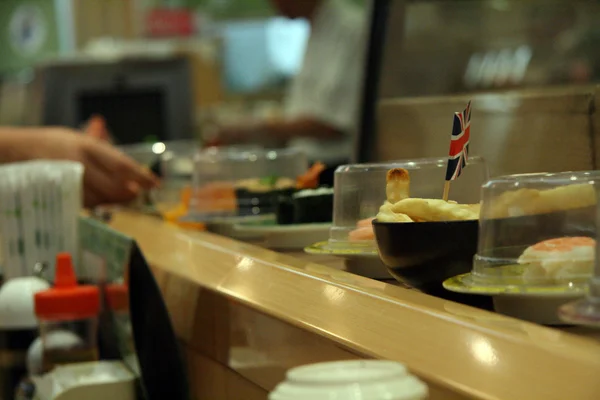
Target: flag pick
458	156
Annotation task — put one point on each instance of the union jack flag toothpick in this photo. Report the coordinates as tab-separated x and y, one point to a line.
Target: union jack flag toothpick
458	156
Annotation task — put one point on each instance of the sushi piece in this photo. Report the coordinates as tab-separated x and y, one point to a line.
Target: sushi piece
363	231
305	207
310	179
266	195
313	206
213	197
559	259
259	196
284	210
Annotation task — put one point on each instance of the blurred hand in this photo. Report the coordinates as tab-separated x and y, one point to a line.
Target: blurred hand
223	136
233	134
110	176
96	127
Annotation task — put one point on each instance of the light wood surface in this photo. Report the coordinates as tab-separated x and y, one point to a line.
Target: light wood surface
258	312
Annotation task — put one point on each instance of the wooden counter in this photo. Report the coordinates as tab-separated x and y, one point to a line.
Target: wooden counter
245	315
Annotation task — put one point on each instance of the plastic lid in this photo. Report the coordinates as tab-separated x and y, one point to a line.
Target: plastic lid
349	380
176	166
16	302
144	153
67	299
586	311
229	182
536	232
360	191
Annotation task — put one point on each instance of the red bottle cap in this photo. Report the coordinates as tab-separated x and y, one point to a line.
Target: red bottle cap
117	297
67	299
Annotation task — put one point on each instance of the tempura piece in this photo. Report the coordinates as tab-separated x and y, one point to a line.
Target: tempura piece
568	197
516	203
532	201
397	185
435	210
387	215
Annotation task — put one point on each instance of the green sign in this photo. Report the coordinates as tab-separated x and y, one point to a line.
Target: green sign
105	253
28	33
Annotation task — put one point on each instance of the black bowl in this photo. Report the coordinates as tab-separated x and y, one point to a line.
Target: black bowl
425	254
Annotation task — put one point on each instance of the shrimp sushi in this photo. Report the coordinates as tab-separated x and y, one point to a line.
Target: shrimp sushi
363	231
559	259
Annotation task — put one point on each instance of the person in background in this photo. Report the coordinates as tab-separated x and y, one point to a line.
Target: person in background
321	107
110	176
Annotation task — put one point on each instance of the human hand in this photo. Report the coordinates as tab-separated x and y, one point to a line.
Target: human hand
110	176
96	127
233	134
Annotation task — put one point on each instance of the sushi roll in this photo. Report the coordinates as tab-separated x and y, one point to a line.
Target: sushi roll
285	210
560	259
313	206
259	196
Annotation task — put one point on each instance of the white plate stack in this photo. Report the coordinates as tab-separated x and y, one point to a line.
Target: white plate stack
40	202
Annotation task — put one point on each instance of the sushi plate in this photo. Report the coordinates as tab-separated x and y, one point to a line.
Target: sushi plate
226	226
283	237
361	260
539	304
585	312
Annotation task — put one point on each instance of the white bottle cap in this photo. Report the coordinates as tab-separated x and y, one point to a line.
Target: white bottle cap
350	380
16	302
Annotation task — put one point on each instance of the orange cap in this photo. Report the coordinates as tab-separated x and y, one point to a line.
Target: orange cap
67	299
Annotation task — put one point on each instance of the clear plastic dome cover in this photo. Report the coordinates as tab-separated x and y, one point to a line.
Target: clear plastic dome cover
537	230
586	311
173	160
360	191
240	181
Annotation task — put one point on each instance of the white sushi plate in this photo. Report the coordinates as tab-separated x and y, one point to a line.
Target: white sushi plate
283	237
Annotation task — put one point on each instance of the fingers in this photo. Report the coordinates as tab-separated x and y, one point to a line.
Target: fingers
104	188
91	198
119	165
112	177
96	128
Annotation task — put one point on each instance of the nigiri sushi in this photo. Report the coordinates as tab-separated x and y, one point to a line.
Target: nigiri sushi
559	259
363	231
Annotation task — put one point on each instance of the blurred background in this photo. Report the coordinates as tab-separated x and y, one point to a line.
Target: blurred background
234	57
160	70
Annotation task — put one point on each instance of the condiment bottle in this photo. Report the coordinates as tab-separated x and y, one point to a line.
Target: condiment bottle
18	328
68	318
